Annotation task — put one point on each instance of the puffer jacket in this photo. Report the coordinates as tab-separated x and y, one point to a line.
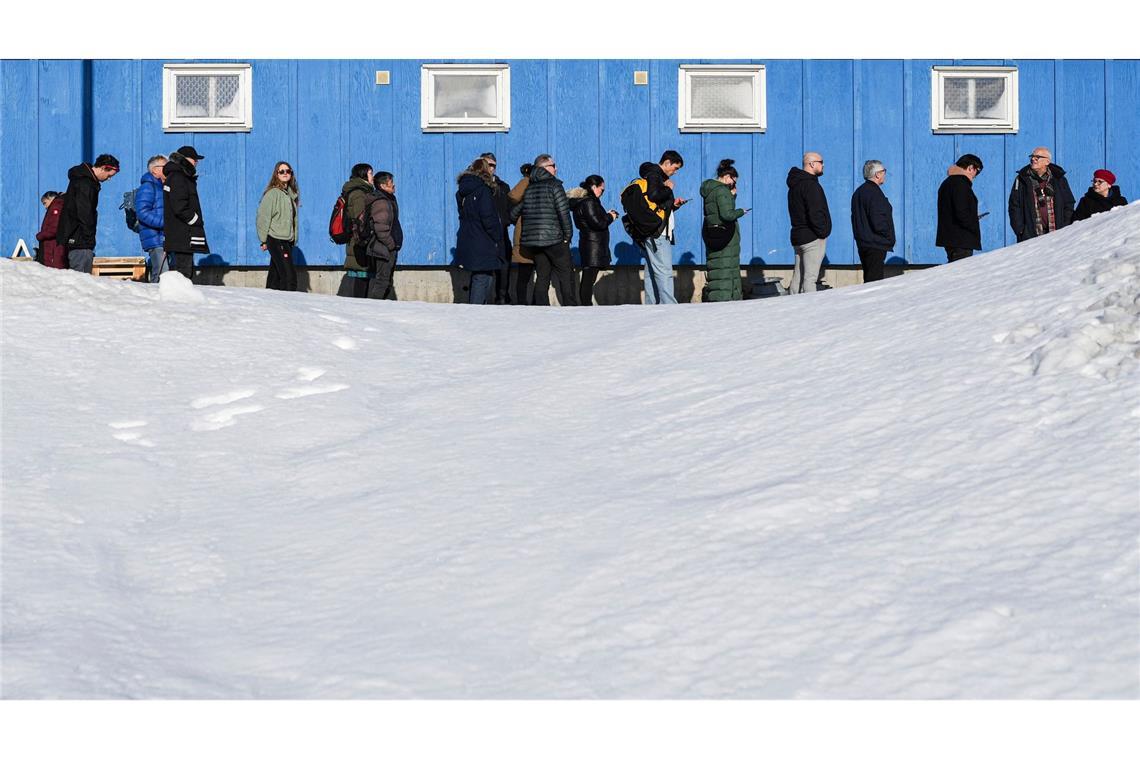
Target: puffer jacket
357	193
1094	203
53	254
1022	203
546	209
387	234
480	245
183	226
148	207
80	215
593	223
720	209
807	207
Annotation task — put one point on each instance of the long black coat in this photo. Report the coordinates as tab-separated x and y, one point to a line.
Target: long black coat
593	223
1092	203
80	215
958	214
546	210
183	226
872	218
1021	201
807	207
480	245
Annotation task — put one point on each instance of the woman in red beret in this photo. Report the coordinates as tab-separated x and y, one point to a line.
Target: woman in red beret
1102	196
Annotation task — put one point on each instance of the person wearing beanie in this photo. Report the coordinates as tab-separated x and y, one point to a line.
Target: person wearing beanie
1103	195
1040	201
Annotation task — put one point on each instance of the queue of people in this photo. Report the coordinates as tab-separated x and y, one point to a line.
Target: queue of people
167	215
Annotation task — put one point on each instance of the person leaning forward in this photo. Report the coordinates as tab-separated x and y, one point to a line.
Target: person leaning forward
958	229
80	216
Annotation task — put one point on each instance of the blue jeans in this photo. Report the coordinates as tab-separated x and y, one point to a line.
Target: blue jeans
658	270
159	263
482	287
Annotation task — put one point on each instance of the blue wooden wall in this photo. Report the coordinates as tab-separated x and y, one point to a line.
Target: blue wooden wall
324	116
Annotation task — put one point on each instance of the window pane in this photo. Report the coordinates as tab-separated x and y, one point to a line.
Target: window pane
465	97
227	104
975	98
193	96
722	97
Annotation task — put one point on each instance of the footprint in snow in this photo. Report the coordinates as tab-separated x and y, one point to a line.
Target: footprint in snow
309	374
128	432
345	342
225	398
332	318
223	418
311	390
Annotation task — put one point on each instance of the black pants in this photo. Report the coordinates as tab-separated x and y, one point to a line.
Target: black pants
954	254
282	270
523	278
353	287
503	276
586	288
183	264
554	258
380	286
872	261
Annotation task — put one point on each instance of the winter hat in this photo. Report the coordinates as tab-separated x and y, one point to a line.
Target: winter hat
1106	175
189	152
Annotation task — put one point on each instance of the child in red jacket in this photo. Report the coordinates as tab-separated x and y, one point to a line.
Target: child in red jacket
52	254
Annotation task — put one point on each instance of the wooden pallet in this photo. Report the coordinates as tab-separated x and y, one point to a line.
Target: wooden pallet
119	267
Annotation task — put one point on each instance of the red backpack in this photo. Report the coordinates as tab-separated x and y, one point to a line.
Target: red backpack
340	225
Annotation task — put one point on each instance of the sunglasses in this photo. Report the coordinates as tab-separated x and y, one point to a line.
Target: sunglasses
284	171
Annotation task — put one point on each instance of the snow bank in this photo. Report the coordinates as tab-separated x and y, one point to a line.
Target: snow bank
922	487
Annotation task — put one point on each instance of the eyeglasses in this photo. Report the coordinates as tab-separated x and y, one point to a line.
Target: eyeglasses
815	162
284	171
1036	157
491	166
1099	182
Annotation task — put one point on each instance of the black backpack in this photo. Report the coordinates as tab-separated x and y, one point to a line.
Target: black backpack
128	207
643	218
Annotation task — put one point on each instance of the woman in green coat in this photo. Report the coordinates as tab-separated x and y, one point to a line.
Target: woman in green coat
721	234
277	226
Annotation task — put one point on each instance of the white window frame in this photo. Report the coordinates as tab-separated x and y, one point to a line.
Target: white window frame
685	120
170	73
938	125
500	123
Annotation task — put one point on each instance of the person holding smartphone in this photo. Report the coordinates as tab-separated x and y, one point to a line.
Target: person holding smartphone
721	234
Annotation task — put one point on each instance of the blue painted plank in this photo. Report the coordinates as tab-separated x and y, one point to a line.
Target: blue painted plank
777	151
828	127
880	134
20	191
1081	124
1122	145
928	156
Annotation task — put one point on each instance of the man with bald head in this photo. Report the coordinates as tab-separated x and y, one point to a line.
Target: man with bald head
1041	200
811	222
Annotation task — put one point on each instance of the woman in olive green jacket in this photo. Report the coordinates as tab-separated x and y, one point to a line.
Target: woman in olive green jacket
721	214
277	226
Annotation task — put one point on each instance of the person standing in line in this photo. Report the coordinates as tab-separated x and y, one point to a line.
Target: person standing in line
958	229
872	221
524	274
811	222
148	208
383	213
183	226
503	208
479	244
721	233
548	231
658	248
277	226
357	191
79	219
1102	195
1040	200
593	223
50	252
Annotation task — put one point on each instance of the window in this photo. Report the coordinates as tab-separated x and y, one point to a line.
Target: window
461	97
973	99
207	97
721	99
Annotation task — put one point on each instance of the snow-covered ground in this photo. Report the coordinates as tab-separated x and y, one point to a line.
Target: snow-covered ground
923	487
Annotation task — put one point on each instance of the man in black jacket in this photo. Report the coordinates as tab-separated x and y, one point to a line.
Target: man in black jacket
183	226
811	222
658	249
547	232
1041	200
872	221
958	229
80	216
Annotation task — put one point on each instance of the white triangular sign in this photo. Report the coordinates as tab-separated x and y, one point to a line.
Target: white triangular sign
21	251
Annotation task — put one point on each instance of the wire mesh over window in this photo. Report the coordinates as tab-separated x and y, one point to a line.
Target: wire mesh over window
465	97
209	96
723	97
975	98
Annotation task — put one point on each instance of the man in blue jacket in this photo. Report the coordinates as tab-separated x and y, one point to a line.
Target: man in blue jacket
148	208
872	221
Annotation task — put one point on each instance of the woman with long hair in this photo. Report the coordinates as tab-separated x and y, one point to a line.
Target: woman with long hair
277	226
721	233
480	246
593	223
